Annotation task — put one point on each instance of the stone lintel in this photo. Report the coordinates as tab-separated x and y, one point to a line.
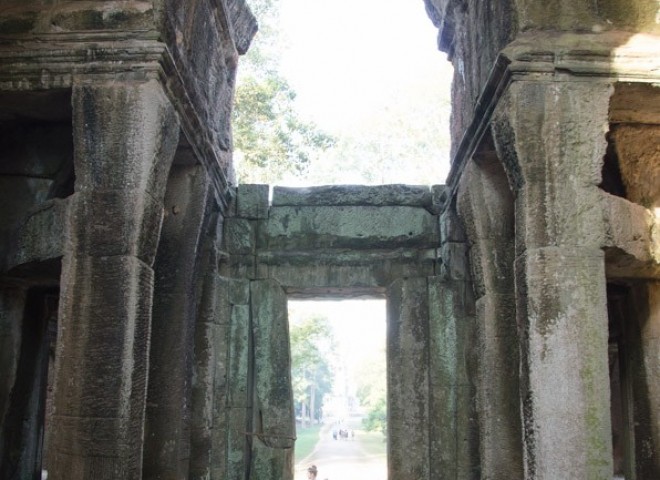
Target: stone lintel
365	227
329	272
358	195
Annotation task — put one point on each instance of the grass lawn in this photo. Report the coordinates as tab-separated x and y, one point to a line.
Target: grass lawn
374	443
307	438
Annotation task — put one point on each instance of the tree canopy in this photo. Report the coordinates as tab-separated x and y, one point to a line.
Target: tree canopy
312	347
271	139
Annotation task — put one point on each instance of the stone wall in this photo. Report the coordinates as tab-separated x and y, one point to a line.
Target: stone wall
547	98
523	304
384	241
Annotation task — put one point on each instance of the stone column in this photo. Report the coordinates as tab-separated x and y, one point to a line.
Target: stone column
454	429
453	424
12	304
167	446
125	134
239	365
273	429
485	203
642	367
551	138
408	379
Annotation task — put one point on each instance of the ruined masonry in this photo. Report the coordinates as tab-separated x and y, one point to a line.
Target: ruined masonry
143	324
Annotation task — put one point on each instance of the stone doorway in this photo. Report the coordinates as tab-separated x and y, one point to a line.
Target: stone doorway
342	242
338	364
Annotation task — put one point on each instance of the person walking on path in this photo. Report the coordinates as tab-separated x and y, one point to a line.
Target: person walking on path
312	472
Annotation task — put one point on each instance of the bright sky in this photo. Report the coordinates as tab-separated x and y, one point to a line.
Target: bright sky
359	325
348	59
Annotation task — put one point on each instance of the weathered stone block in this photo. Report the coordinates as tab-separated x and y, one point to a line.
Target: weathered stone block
135	121
451	322
439	195
498	392
408	378
451	227
239	354
98	356
629	228
252	201
565	376
239	266
203	382
345	269
454	261
354	195
356	227
272	390
240	236
41	237
269	463
239	291
237	442
99	224
12	307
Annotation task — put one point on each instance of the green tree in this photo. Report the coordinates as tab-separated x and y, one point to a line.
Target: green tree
271	140
312	345
372	392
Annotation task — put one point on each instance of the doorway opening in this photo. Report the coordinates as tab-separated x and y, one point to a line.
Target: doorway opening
339	385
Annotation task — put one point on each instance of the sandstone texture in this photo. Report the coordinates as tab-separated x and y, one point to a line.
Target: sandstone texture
143	294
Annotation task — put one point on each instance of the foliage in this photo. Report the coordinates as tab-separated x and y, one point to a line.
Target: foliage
404	142
372	392
271	140
312	345
376	419
306	440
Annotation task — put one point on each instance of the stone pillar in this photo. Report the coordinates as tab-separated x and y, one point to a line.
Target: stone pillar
238	387
12	304
125	134
454	453
167	447
642	343
454	429
485	203
273	429
408	379
551	138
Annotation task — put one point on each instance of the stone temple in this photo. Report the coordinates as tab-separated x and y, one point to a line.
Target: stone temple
143	324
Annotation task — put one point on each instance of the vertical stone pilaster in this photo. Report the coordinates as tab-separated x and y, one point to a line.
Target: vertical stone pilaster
273	422
554	155
643	370
239	412
408	379
454	452
12	304
168	423
485	203
125	134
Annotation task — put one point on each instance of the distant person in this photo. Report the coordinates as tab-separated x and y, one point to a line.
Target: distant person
312	472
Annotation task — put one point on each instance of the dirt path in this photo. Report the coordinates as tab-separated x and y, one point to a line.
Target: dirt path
342	460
